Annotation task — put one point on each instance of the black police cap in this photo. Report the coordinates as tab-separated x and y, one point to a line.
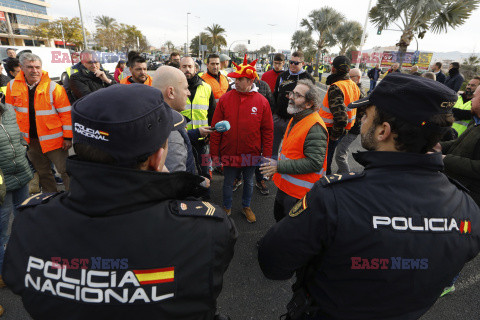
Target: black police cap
129	122
412	98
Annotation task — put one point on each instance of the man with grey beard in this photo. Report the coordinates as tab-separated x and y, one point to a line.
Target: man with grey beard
302	159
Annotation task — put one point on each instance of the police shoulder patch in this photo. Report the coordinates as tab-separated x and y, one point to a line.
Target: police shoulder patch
37	199
199	209
299	207
336	178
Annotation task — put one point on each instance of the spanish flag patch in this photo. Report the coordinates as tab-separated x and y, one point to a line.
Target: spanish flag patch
465	226
153	276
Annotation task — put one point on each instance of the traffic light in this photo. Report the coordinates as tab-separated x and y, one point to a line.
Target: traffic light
379	31
248	41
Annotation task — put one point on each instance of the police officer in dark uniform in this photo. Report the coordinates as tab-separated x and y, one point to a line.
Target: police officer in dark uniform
127	241
381	244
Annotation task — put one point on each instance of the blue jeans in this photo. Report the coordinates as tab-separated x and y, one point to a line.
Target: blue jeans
13	199
373	84
341	156
229	174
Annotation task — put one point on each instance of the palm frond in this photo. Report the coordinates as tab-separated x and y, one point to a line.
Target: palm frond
454	14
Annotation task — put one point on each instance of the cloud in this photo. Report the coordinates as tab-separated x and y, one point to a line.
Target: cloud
167	20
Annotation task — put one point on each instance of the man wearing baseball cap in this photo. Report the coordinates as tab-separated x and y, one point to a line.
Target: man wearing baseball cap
224	61
123	243
338	118
382	243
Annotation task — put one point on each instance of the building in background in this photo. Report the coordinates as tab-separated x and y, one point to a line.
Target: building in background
17	17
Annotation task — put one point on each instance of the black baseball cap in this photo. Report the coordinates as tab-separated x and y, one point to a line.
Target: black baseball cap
412	98
129	122
341	63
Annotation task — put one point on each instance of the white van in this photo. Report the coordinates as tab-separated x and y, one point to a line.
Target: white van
109	60
54	60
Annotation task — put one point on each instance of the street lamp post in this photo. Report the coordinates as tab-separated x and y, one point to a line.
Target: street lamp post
186	47
63	36
364	33
199	41
271	30
85	44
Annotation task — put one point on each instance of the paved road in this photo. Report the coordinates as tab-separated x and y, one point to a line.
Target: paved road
248	295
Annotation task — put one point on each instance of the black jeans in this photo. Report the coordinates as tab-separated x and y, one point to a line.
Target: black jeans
200	153
283	204
332	144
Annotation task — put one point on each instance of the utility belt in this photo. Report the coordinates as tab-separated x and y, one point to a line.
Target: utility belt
301	307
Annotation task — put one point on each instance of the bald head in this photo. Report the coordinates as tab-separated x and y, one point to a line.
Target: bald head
355	74
173	84
167	76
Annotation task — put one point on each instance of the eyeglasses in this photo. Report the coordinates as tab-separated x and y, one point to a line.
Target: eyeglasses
295	95
92	62
295	62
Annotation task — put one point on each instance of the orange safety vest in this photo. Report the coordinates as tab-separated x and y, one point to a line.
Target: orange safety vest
52	110
351	93
297	185
148	82
218	89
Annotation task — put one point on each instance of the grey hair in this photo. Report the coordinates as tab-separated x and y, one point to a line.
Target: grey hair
27	57
89	52
313	94
429	75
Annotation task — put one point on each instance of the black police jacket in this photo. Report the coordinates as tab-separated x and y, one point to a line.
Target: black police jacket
382	244
119	246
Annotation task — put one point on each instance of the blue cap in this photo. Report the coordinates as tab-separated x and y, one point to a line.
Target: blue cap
129	122
412	98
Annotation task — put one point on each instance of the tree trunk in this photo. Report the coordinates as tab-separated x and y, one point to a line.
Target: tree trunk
405	40
317	60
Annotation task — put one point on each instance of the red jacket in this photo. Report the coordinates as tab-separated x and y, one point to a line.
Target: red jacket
251	132
270	77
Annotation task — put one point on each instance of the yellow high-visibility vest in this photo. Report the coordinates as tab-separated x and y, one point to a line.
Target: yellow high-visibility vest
461	125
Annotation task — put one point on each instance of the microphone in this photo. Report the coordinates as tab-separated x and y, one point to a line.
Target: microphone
222	126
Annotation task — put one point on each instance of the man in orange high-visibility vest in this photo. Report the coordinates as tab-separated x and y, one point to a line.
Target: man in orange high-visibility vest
43	116
302	160
138	69
337	117
214	78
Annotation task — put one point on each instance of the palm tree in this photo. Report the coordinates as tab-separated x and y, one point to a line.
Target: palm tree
204	39
216	33
348	34
470	67
105	22
301	40
416	17
324	22
170	46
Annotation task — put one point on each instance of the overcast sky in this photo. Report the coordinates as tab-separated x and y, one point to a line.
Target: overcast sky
162	20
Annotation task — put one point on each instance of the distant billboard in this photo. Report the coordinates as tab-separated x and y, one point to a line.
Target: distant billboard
387	58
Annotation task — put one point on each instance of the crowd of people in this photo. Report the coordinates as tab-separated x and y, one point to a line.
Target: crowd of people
138	183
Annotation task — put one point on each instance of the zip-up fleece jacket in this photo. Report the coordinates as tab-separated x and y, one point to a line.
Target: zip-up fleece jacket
13	158
251	133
